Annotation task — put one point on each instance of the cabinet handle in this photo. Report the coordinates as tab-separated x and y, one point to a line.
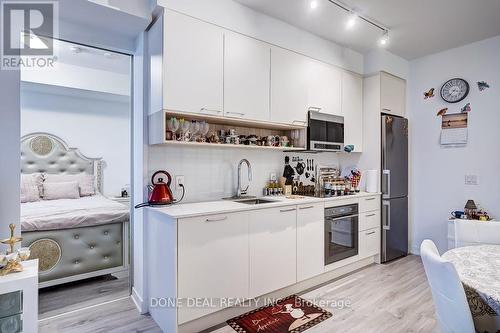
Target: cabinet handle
238	113
369	215
216	220
299	121
210	110
370	233
369	199
287	210
314	108
386	110
308	207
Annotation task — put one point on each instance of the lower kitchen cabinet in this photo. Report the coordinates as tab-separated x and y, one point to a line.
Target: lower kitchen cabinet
310	241
213	256
273	249
369	242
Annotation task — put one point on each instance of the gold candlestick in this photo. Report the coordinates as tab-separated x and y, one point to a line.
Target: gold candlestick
13	265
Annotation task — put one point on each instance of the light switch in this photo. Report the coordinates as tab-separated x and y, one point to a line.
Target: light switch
471	180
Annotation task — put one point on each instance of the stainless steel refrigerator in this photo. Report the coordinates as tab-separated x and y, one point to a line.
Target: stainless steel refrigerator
394	187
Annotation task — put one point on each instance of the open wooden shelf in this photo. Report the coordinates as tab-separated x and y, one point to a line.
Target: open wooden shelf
229	146
158	120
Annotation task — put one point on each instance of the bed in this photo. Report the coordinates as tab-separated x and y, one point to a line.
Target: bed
73	239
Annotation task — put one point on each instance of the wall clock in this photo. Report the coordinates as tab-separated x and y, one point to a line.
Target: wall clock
454	90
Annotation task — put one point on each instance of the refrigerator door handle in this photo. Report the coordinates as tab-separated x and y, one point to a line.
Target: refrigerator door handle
387	193
386	215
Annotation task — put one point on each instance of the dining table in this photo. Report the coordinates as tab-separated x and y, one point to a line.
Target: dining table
478	267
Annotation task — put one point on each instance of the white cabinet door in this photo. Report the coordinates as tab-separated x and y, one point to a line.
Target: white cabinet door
193	65
392	94
272	249
289	87
213	256
369	242
247	66
352	109
324	93
310	241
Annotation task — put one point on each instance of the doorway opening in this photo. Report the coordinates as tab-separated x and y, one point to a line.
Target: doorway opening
76	175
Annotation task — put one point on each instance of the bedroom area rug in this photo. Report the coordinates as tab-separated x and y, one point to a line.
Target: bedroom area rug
288	315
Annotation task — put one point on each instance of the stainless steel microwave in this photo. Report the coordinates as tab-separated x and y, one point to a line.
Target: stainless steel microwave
325	132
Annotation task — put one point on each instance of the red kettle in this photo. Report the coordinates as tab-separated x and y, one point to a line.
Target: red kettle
160	193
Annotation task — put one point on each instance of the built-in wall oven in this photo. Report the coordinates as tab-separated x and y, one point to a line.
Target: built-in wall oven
341	232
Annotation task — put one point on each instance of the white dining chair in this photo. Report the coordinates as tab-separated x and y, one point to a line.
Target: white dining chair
452	309
475	233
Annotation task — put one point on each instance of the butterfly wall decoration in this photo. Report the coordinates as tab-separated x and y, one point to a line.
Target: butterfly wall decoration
466	108
429	94
482	85
442	112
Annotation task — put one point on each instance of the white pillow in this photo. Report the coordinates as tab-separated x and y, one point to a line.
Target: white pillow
30	187
62	190
85	182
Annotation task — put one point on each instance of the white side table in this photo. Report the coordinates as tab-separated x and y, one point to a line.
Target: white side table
451	229
19	299
122	200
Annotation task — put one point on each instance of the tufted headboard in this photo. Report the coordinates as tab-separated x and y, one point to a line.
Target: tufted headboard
47	153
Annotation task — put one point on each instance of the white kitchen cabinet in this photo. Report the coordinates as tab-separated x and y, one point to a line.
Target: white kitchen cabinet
369	242
247	76
352	109
392	94
273	249
310	241
192	65
213	256
324	92
289	87
369	203
369	220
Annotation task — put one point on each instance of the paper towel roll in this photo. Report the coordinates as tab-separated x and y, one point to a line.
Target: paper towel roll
371	181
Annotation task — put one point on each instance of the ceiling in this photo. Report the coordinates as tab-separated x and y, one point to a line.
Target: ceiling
93	58
417	28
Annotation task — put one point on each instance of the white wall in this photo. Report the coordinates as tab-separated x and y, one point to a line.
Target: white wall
211	173
234	16
438	173
97	124
382	60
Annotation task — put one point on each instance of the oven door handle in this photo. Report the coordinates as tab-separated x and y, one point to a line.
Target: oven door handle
331	218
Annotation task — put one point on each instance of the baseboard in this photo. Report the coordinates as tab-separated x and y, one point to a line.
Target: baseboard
138	301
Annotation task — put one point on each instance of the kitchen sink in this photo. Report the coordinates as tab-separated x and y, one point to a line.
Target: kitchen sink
255	201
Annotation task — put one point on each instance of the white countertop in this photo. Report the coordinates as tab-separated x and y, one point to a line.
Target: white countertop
183	210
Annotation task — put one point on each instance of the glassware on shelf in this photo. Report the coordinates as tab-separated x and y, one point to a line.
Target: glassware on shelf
195	128
184	128
204	128
172	127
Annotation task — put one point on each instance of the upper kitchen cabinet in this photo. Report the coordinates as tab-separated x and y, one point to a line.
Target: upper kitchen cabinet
192	65
392	94
324	88
247	71
352	109
289	87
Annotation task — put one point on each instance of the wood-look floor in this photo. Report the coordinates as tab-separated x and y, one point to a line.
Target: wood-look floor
388	298
53	301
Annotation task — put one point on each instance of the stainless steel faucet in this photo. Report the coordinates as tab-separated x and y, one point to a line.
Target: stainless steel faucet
239	190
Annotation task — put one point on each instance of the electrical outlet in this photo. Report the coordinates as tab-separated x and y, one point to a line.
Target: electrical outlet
471	180
179	180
